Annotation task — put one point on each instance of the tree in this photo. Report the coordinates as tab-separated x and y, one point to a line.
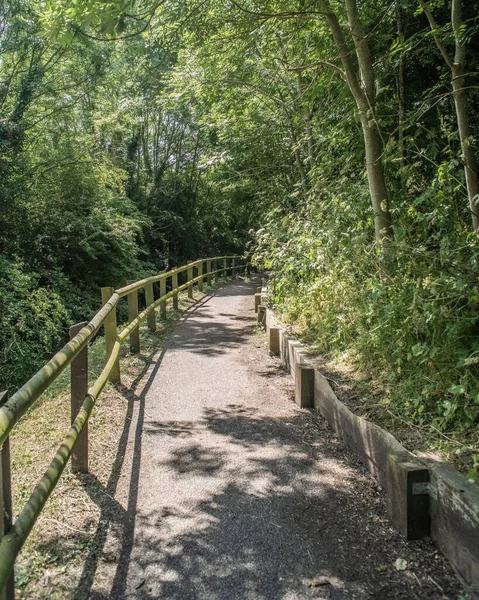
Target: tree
457	66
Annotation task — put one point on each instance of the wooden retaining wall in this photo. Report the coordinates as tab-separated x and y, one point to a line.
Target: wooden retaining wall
423	497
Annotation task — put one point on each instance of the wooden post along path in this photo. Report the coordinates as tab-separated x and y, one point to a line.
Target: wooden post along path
163	304
200	274
132	314
174	285
110	334
208	272
189	277
6	518
150	298
78	392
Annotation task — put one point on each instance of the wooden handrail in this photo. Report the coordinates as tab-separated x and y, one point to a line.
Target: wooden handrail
12	410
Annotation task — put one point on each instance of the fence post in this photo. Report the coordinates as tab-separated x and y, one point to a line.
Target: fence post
189	277
200	275
208	272
273	341
78	392
233	268
132	314
215	268
174	285
149	299
163	293
304	386
110	334
6	520
262	316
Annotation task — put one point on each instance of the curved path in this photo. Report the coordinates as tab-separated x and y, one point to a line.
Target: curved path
243	495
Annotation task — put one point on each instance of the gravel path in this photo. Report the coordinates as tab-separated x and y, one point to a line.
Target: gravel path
242	495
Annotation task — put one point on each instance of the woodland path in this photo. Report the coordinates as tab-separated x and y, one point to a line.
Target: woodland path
240	494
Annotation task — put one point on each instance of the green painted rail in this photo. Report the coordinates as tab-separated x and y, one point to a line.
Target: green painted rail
14	534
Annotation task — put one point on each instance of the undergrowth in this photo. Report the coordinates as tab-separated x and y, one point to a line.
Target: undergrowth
406	314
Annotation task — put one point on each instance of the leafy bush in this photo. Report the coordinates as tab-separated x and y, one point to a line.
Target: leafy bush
32	321
407	313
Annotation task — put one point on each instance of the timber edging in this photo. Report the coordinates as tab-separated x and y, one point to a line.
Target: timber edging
423	497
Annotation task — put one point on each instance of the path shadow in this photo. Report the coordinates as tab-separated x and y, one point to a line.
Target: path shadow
277	524
110	511
280	527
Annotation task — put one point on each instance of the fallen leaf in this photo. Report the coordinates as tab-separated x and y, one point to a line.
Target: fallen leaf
319	581
400	564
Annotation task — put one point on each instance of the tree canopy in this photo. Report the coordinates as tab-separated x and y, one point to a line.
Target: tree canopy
335	139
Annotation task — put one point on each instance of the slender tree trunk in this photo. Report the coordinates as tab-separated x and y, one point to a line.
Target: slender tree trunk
363	91
467	145
307	114
377	183
457	66
401	95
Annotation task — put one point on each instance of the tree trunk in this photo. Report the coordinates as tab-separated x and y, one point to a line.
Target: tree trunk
457	66
468	150
401	96
364	94
377	184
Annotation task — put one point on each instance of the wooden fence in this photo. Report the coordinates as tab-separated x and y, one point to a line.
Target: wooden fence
13	534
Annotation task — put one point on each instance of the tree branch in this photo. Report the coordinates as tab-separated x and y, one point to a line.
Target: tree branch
437	39
319	63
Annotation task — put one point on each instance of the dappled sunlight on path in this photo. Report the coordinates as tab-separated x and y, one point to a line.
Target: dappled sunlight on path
234	492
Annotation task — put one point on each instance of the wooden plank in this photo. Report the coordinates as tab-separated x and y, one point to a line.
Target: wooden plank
78	392
261	319
110	334
273	340
163	304
455	520
304	386
132	314
150	298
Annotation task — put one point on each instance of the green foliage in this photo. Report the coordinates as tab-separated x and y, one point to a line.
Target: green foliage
32	322
104	172
207	121
407	314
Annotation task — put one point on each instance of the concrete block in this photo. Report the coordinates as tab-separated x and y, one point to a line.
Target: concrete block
304	386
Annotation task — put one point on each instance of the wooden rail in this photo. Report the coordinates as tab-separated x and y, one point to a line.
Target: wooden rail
14	534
